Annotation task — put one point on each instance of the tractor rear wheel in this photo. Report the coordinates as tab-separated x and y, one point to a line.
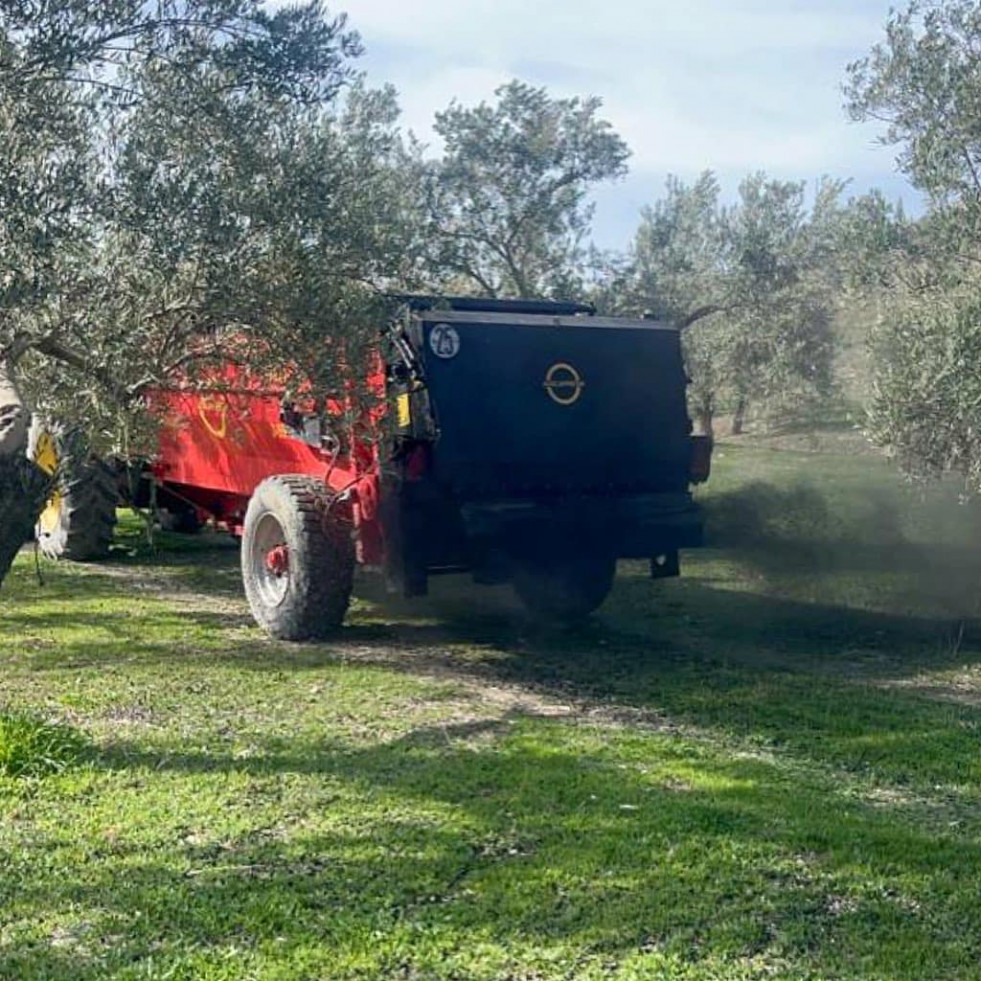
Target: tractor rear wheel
297	558
80	515
564	589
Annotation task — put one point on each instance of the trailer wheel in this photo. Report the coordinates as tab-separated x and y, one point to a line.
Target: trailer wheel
297	558
78	520
564	589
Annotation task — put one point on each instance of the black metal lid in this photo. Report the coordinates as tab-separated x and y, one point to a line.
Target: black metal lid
478	304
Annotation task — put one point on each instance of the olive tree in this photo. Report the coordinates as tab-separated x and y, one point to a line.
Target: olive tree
753	284
185	175
923	83
507	203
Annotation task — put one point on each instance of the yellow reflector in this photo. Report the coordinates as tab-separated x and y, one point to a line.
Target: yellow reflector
404	412
45	454
46	457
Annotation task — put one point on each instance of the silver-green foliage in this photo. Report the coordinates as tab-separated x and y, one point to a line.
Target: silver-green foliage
507	203
188	171
923	81
754	283
926	399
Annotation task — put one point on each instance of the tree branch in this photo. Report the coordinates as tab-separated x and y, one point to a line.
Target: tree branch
61	352
699	313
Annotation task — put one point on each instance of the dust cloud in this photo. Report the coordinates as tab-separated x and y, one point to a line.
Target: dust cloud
903	549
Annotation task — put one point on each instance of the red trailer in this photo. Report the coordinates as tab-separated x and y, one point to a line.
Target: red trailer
516	440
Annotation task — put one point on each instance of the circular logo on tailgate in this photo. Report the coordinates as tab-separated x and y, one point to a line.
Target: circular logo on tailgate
444	341
563	383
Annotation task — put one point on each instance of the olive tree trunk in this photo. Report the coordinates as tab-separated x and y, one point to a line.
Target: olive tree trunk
739	417
23	486
705	418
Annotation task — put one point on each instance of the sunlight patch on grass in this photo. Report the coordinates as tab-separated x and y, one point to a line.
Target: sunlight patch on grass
751	772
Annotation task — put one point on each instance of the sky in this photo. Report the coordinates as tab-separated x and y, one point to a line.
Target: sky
733	86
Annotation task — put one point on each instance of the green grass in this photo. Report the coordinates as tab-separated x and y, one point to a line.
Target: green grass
32	747
768	768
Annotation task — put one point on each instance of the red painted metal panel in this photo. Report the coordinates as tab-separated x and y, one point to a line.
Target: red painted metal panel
216	446
230	442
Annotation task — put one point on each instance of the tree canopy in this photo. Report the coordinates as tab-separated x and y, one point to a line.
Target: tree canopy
753	283
185	170
507	203
923	82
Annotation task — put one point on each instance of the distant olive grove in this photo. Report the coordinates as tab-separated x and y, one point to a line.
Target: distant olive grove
186	172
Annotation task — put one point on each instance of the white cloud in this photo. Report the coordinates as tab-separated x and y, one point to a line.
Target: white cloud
429	93
615	26
705	82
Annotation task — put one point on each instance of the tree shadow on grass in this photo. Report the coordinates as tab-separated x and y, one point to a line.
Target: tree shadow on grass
750	616
539	849
642	623
813	588
826	684
829	682
767	852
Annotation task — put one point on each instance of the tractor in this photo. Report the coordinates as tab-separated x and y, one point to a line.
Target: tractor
515	440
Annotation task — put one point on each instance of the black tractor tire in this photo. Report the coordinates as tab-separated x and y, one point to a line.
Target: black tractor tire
564	589
80	516
297	558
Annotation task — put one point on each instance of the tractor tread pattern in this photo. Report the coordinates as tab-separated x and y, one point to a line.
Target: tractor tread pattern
90	513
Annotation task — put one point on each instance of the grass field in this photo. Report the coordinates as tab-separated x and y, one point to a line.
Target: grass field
769	768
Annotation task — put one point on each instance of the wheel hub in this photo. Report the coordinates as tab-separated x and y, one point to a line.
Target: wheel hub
269	557
278	560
